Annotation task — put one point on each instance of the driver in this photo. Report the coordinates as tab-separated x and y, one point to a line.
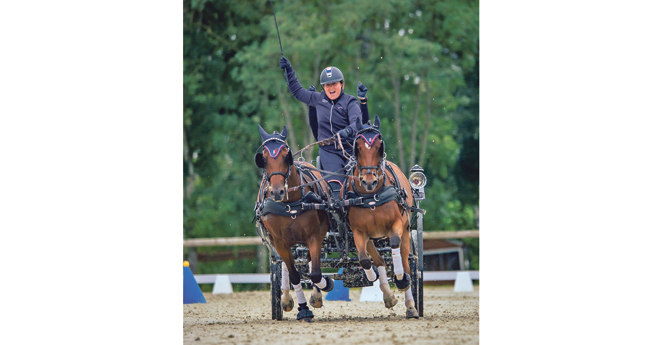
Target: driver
336	113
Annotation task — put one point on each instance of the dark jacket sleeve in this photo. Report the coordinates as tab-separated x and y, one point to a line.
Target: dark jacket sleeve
354	114
365	111
313	122
299	92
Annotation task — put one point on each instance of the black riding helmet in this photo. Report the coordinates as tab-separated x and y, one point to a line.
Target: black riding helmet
331	75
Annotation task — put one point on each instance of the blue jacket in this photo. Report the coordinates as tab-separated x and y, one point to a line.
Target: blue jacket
332	116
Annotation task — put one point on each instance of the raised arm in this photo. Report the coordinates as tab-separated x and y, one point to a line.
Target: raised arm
362	98
301	94
313	120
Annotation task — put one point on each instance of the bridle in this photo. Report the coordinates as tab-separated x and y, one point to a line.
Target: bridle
274	151
370	140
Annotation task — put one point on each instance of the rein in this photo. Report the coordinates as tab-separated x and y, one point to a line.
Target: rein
321	143
336	173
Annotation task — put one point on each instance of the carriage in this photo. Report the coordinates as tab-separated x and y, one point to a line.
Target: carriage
338	248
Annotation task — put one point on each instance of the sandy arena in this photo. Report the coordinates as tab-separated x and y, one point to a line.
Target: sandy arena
245	318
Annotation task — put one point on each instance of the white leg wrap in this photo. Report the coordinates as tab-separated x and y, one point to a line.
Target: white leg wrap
285	278
371	275
398	266
382	271
409	298
300	295
409	295
322	283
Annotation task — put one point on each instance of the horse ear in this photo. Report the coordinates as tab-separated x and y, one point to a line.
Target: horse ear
377	122
263	133
284	132
358	124
259	159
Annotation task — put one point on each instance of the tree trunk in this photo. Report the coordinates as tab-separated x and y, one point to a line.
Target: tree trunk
396	83
426	122
414	128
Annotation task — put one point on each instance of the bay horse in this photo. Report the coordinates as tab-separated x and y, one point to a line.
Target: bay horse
281	210
386	197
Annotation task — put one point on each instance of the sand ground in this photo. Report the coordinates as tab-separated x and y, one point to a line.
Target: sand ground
245	318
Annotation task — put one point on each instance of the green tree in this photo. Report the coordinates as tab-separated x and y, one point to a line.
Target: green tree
418	58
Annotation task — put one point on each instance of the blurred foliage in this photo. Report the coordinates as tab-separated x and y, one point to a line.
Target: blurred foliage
419	59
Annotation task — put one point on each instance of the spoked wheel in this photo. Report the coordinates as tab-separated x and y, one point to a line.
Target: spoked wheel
417	275
276	288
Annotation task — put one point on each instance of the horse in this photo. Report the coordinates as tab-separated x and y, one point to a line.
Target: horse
385	198
283	209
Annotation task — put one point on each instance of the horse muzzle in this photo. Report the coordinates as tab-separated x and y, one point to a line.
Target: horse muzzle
278	192
369	186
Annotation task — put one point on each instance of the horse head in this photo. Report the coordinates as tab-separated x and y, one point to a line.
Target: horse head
276	160
369	149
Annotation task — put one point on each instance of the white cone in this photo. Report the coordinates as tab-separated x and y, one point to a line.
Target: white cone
463	282
222	284
372	293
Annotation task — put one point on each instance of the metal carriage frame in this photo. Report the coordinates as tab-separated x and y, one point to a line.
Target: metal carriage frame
339	251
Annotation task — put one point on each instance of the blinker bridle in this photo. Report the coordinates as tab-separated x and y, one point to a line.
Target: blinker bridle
274	147
369	134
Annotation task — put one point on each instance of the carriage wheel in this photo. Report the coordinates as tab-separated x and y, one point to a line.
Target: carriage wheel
276	289
417	275
415	281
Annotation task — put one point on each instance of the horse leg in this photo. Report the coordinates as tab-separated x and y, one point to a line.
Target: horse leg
401	278
287	300
411	312
365	262
320	283
304	314
388	296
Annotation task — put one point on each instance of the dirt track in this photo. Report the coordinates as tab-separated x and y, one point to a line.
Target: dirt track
245	318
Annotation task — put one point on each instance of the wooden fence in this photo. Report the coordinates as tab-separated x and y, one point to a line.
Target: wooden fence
252	240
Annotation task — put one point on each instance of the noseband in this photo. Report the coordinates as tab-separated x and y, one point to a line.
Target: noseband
369	169
286	178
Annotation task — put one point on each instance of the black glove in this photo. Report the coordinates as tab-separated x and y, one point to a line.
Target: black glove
312	88
361	90
284	63
344	133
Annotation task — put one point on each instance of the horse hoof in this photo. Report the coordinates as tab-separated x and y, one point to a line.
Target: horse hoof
403	284
411	313
287	305
330	284
304	314
390	301
316	300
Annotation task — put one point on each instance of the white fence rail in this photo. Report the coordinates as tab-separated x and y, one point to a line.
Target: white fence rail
262	278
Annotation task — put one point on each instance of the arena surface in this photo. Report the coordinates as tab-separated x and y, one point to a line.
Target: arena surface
245	318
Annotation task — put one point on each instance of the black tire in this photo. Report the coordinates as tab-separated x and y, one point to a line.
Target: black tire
417	275
414	286
276	289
